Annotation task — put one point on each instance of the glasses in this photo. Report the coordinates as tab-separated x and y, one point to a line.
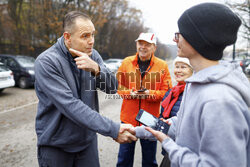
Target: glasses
176	36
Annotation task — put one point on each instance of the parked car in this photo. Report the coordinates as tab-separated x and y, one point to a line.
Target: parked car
6	77
22	67
113	64
247	69
245	65
241	58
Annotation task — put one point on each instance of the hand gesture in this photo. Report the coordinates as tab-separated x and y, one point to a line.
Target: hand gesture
84	62
126	134
168	121
158	134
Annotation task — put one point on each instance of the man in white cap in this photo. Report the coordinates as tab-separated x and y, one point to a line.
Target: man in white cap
143	81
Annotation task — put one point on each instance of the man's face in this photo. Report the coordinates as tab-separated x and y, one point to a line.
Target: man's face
184	48
81	37
145	49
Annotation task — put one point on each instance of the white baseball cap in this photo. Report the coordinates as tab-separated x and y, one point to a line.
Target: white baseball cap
148	37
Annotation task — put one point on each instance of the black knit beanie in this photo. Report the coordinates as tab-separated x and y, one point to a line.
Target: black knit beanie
209	28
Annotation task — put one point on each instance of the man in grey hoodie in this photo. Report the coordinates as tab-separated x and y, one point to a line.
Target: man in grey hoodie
67	76
212	127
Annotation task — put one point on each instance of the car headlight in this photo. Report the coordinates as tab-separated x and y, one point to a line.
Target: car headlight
31	72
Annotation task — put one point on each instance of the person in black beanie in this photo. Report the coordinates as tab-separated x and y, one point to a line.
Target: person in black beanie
212	127
209	28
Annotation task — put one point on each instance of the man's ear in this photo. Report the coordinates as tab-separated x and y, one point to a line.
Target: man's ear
67	38
155	47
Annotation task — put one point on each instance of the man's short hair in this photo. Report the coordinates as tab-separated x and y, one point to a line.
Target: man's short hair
69	19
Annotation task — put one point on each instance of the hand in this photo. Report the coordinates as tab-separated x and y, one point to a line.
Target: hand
142	95
168	121
133	94
137	94
159	135
84	62
126	134
142	133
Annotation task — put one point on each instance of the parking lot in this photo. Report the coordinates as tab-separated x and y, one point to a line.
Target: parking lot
17	128
13	98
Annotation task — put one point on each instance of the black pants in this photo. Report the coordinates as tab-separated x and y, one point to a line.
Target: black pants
55	157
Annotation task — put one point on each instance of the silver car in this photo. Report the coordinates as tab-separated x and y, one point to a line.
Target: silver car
113	64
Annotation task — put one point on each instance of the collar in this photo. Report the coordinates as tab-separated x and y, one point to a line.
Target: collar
66	54
135	60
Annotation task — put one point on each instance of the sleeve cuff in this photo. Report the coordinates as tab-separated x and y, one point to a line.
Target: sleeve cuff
142	133
167	144
115	128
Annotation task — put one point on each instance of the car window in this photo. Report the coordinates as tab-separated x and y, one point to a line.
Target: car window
3	60
3	68
11	63
26	61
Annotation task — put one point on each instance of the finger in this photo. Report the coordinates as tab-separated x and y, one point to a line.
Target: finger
122	128
159	135
166	121
169	122
83	57
131	137
76	52
126	127
81	62
131	130
151	131
79	59
81	66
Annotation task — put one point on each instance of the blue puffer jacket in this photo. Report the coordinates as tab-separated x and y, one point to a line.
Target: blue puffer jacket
176	106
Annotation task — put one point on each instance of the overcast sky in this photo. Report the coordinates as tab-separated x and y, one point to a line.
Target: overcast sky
162	15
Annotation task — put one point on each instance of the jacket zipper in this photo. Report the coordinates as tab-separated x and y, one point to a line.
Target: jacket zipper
141	88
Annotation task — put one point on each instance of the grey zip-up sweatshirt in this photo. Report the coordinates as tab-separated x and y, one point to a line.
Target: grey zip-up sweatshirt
67	115
212	127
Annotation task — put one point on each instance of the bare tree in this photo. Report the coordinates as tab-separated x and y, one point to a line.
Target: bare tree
30	26
243	11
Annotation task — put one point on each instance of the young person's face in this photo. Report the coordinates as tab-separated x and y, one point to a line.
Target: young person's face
145	49
82	36
182	71
184	48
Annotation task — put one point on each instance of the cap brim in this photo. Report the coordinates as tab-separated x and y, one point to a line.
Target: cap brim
139	39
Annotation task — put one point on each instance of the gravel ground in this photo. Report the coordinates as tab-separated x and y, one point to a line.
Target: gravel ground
18	138
12	98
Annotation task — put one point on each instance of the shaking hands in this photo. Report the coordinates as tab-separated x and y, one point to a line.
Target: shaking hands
126	134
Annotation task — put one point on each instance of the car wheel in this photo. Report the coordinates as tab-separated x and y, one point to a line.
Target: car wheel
22	83
1	90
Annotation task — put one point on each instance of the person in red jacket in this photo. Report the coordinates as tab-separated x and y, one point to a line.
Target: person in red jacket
143	80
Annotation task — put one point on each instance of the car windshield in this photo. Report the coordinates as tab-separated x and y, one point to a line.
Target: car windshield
26	61
3	68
